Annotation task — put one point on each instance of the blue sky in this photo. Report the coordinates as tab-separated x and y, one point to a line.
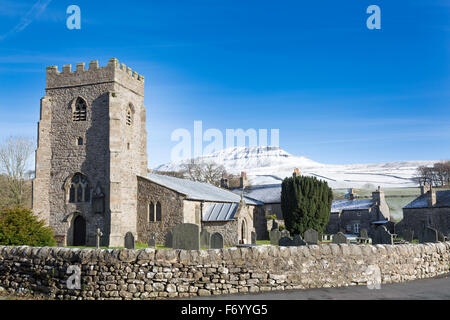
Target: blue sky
337	91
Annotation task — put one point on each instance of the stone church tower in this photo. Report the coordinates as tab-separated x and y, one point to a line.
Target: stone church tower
91	147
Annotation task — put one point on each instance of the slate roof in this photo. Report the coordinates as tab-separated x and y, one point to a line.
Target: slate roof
220	211
198	190
340	205
442	200
270	193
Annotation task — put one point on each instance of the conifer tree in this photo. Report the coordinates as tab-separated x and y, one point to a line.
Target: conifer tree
306	204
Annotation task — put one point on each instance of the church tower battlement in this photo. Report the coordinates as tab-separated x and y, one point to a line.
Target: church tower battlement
92	143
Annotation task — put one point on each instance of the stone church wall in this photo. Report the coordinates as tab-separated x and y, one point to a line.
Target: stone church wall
171	209
148	273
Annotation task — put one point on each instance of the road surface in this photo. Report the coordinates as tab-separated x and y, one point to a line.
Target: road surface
423	289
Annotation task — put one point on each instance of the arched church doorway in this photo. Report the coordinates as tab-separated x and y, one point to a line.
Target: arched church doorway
79	231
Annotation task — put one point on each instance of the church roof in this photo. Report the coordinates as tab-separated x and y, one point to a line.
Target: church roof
195	190
442	200
220	211
270	193
340	205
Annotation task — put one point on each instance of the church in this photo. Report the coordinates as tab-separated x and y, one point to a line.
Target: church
92	167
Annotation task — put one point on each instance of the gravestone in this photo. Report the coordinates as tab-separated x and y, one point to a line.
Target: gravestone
152	240
363	234
288	242
274	225
285	233
298	241
186	236
382	236
216	241
253	235
168	239
129	241
205	239
408	235
429	234
275	236
441	237
340	238
311	236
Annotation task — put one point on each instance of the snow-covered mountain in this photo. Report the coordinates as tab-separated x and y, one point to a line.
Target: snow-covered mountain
268	165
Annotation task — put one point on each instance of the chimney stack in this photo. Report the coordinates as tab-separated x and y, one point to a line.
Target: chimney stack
424	189
224	182
243	180
431	197
351	194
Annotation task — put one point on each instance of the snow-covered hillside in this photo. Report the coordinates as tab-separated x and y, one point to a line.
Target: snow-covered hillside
268	165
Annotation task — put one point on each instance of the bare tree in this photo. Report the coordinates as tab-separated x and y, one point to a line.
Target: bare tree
209	172
15	153
213	173
438	175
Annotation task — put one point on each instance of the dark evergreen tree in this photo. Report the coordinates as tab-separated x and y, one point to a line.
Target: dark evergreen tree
306	204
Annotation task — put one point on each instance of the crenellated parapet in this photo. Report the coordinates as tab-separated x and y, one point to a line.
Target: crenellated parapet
112	72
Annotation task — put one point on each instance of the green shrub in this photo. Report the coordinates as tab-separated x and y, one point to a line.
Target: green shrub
19	227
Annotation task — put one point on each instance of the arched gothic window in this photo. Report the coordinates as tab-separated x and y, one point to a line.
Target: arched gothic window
158	212
80	190
79	110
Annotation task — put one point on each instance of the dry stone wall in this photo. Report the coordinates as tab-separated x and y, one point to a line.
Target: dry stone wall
148	273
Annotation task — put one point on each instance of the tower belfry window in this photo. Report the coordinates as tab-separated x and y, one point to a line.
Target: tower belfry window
129	117
79	111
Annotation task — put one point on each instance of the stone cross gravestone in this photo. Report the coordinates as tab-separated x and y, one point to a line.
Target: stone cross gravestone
152	240
311	236
274	236
216	241
363	234
253	236
382	236
340	238
98	235
186	236
205	239
129	241
168	240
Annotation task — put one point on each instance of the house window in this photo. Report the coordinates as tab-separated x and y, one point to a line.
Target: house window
80	190
79	110
158	212
356	228
79	141
151	212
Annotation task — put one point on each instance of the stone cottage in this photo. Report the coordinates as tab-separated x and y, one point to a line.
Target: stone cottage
352	215
431	208
349	216
91	166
